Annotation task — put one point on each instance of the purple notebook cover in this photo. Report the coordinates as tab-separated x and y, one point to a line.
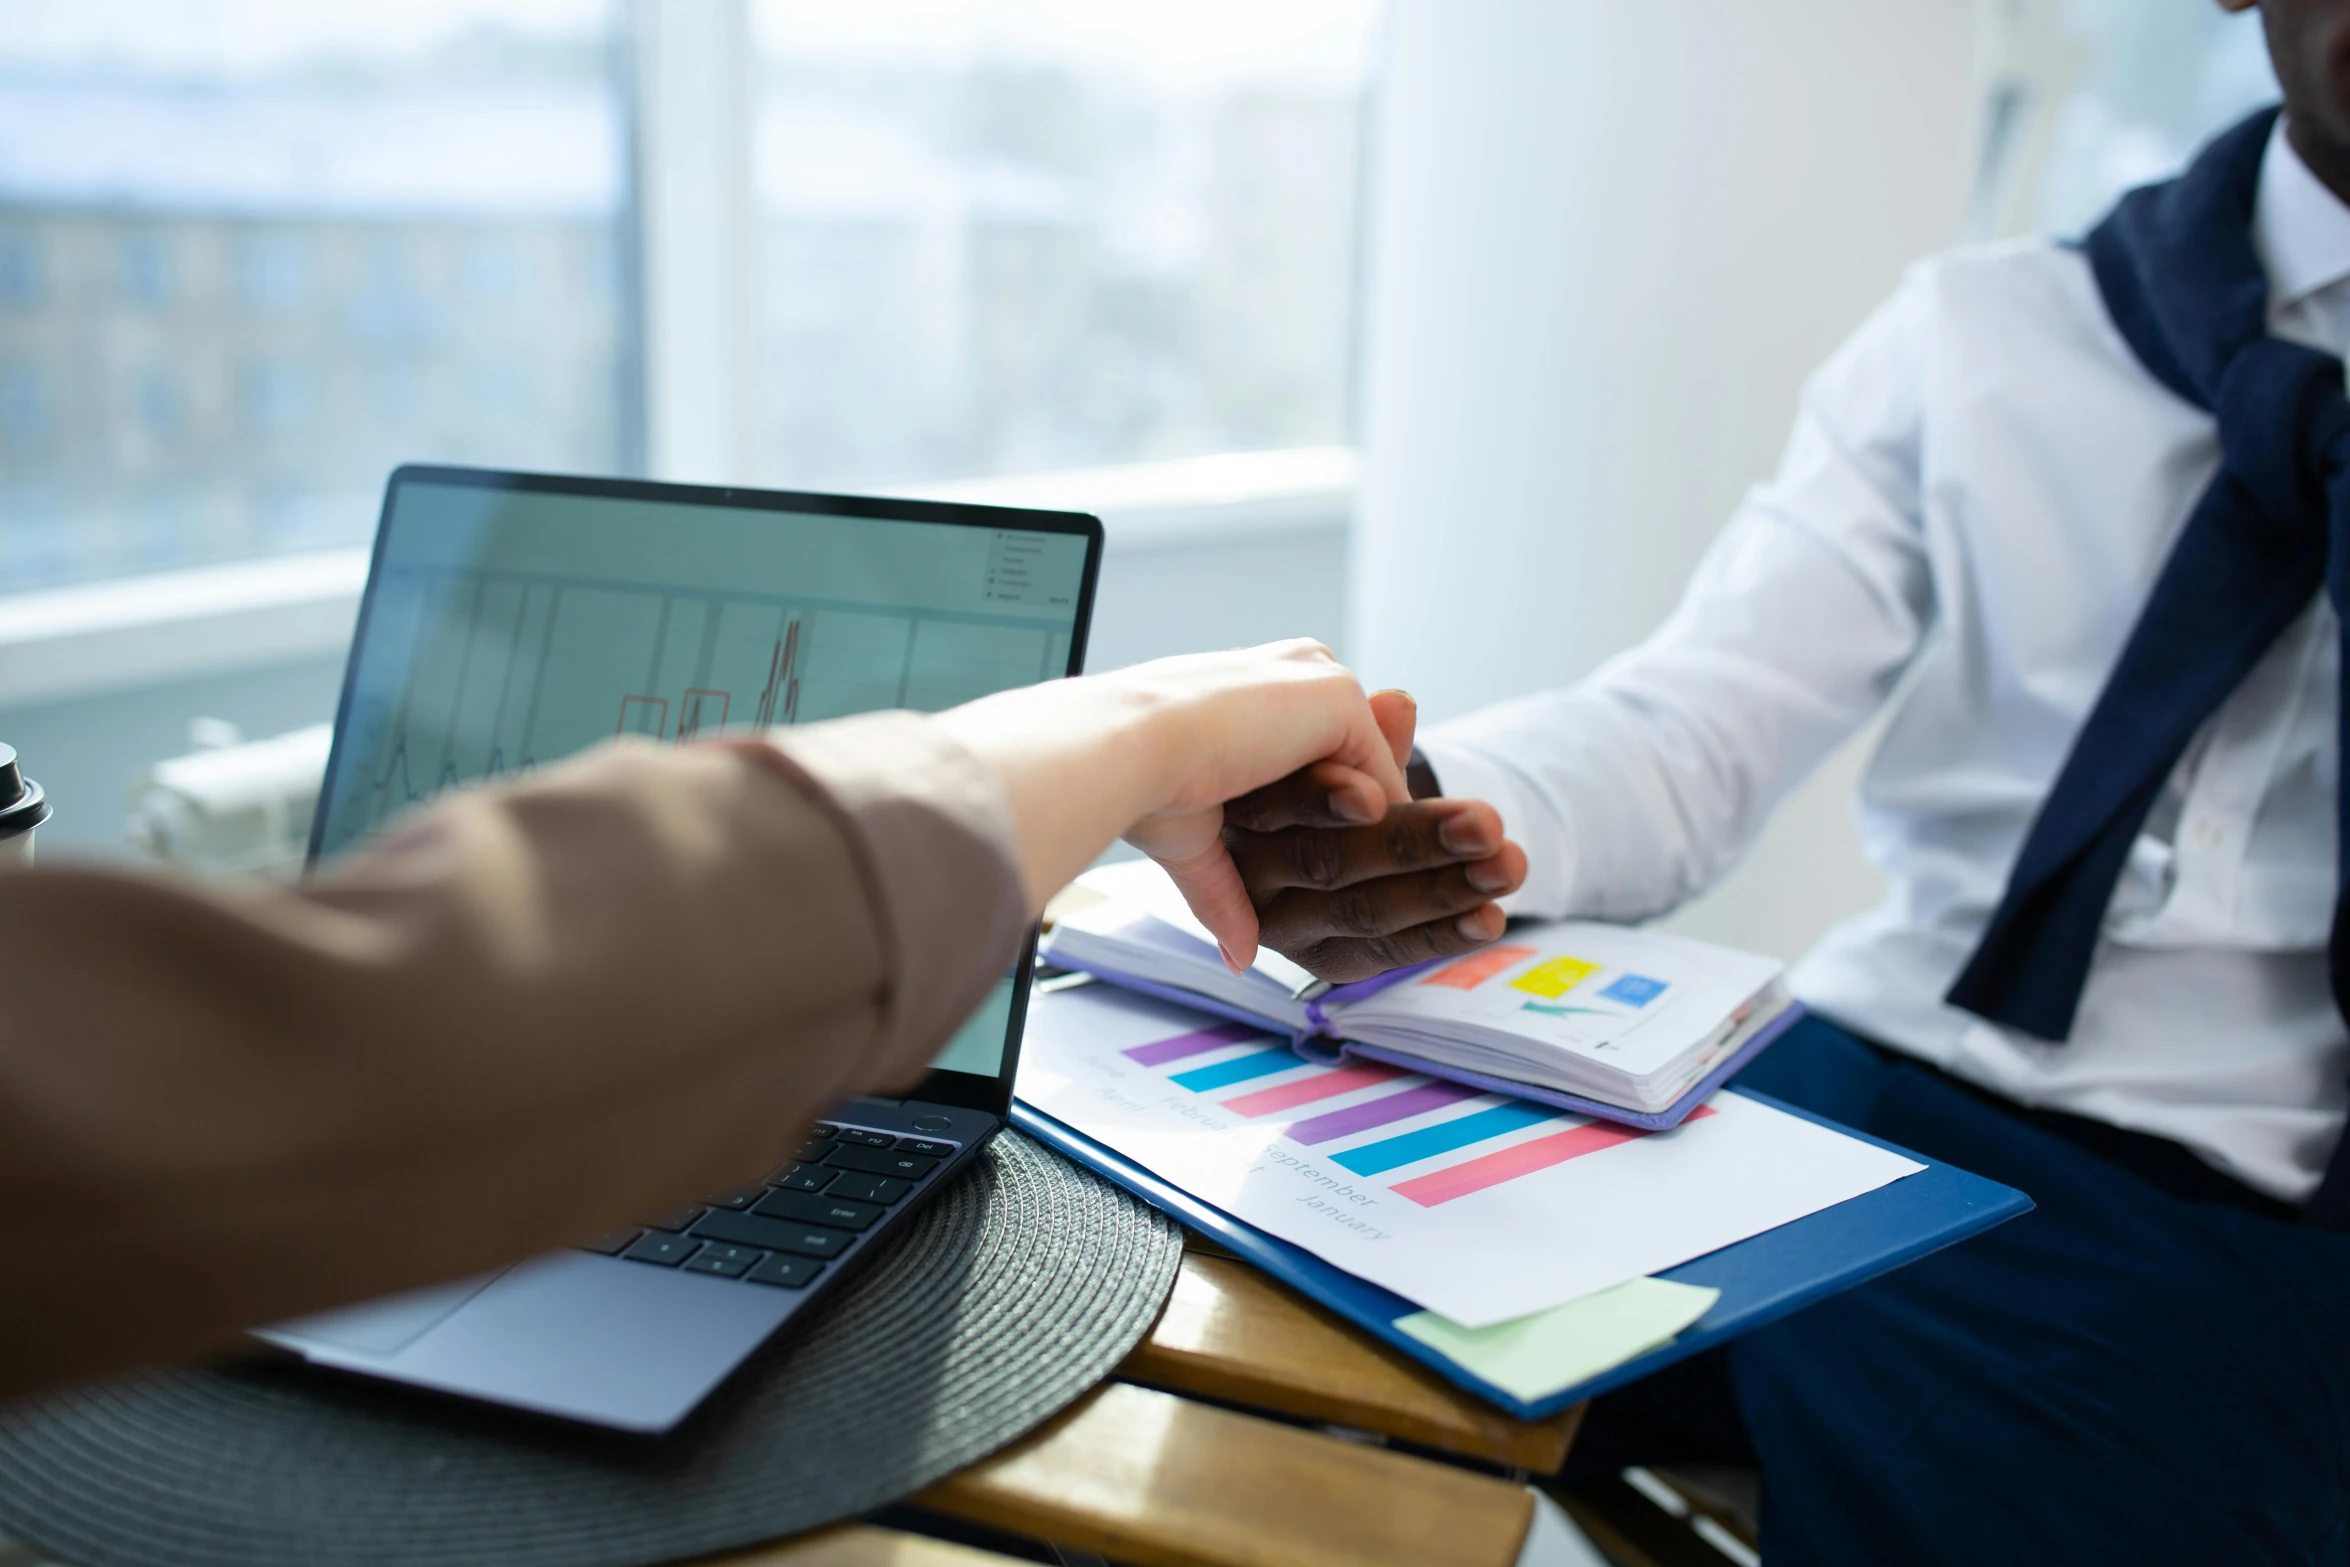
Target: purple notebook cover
1324	1049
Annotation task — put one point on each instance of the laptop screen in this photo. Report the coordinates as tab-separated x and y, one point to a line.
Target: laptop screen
513	620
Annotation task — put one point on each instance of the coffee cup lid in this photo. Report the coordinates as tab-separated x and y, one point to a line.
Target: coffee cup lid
22	805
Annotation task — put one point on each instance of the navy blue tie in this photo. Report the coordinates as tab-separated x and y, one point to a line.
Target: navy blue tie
2181	280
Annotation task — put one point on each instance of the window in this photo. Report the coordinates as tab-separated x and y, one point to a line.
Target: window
147	274
1036	234
20	269
253	254
2096	96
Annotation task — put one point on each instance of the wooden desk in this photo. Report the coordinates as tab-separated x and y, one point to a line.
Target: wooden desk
1230	1333
1145	1470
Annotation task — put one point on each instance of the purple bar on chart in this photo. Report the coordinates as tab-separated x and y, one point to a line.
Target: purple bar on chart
1380	1112
1161	1051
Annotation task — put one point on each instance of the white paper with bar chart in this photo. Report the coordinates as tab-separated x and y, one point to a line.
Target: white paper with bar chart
1477	1206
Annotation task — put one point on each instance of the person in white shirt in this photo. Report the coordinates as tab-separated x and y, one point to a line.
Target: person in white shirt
2089	548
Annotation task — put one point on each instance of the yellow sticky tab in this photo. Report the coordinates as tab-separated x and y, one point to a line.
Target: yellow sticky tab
1555	978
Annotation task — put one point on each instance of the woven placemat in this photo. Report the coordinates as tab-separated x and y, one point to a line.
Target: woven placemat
1014	1292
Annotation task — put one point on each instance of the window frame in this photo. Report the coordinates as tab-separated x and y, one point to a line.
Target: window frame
122	633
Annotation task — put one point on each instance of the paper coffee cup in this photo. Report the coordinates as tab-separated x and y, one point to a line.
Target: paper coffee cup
23	807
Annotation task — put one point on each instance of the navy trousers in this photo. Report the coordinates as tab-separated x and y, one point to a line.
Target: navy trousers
2153	1366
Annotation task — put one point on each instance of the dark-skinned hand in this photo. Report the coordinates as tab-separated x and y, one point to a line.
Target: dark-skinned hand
1349	894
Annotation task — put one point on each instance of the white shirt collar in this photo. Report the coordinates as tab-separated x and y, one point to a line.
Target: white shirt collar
2300	228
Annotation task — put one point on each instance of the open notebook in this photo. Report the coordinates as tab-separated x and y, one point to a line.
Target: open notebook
1634	1026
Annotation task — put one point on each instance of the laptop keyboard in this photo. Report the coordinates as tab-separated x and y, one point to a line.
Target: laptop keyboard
843	1182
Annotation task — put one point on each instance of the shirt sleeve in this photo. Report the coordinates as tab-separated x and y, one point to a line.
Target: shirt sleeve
1639	787
530	1014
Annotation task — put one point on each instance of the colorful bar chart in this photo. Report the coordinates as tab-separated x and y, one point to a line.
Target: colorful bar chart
1413	1098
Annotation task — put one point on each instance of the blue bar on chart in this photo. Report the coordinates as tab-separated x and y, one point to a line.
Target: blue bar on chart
1260	1063
1446	1136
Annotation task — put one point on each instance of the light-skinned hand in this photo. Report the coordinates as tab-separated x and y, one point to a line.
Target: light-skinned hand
1152	753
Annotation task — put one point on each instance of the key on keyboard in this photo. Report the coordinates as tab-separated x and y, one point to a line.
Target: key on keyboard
804	1209
790	1272
867	1188
878	1161
665	1251
613	1243
725	1261
804	1178
855	1134
748	1229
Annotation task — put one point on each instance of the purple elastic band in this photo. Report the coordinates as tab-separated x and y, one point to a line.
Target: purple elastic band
1340	995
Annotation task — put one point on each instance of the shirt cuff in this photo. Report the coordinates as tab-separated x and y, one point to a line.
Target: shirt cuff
932	832
1468	772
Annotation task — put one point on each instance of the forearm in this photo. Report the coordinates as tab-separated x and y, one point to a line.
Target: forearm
1152	752
1625	806
542	1010
533	1014
1080	761
1638	788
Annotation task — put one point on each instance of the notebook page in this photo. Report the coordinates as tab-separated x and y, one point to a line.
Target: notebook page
1631	1002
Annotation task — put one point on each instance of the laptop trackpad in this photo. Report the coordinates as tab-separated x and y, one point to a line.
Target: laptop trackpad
379	1327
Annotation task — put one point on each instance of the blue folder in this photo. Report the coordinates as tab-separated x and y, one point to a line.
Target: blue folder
1761	1279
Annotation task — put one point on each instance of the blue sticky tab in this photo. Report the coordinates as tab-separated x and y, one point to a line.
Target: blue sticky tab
1634	990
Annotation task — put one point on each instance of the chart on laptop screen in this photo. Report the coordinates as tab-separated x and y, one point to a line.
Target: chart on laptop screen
506	630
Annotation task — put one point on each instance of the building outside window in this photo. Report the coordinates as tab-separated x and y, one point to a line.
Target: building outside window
254	254
224	229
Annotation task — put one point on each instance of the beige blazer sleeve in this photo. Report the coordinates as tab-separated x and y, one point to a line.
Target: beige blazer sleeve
529	1014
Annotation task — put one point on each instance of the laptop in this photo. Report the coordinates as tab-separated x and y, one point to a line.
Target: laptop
512	619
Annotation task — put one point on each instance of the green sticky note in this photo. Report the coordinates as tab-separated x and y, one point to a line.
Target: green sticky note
1533	1357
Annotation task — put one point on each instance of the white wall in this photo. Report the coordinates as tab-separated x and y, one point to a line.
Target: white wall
1607	242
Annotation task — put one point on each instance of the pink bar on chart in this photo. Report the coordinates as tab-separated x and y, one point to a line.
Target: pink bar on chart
1161	1051
1494	1168
1307	1090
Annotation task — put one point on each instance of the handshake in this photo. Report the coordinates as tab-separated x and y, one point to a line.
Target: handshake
1272	789
1349	887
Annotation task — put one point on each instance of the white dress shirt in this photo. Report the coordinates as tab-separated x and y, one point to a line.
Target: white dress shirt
1980	490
